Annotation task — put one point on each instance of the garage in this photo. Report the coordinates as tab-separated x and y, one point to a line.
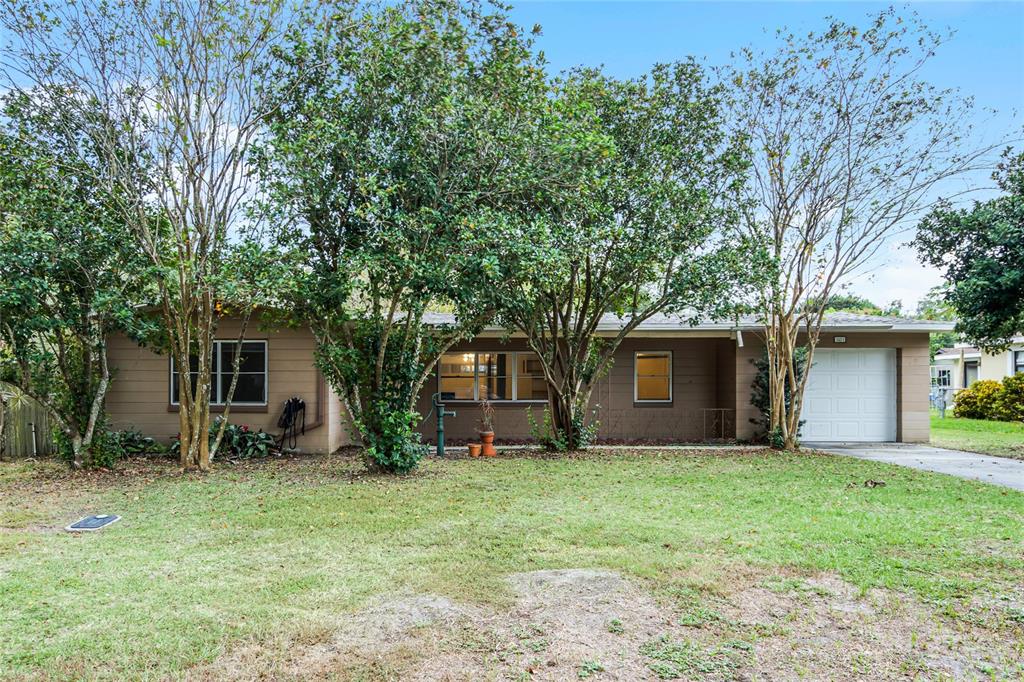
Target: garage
851	396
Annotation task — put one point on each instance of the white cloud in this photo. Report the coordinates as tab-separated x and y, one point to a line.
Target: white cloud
896	274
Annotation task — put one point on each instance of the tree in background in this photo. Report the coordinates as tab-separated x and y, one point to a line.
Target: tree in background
634	214
394	128
71	277
981	253
851	303
933	306
849	145
166	99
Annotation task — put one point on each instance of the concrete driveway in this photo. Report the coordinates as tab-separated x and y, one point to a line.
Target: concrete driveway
996	470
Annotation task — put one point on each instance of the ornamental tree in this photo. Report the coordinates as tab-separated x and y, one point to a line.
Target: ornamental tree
849	146
393	128
70	278
167	96
981	253
635	215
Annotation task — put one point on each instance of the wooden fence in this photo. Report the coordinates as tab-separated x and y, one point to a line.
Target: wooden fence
19	419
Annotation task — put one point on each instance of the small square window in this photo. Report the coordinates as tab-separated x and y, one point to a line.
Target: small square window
652	379
458	376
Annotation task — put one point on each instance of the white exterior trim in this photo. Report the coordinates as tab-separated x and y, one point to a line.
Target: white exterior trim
215	400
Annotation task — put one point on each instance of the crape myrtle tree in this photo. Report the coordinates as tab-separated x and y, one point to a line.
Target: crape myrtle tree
638	218
981	253
69	277
849	147
395	127
168	94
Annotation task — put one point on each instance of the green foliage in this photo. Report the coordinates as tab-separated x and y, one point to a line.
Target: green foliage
1009	405
555	439
631	210
760	395
393	444
393	127
107	447
130	442
851	303
71	276
987	399
239	442
981	252
978	401
671	659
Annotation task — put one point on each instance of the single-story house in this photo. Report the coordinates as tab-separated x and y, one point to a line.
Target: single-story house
671	381
960	366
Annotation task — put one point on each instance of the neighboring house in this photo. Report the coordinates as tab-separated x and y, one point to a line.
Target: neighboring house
960	366
671	381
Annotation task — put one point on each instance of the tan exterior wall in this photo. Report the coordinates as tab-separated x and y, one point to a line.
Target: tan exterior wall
707	372
140	392
697	384
912	379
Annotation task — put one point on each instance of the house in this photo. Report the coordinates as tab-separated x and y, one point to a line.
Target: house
960	366
671	381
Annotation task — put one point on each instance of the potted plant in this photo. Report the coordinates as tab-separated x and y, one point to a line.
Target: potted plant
486	429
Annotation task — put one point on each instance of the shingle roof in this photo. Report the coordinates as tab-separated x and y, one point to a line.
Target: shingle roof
684	323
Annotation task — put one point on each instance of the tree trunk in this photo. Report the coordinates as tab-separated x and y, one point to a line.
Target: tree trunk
569	414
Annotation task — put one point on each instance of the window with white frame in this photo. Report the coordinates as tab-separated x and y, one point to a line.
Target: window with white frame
652	377
251	388
942	377
496	376
1018	361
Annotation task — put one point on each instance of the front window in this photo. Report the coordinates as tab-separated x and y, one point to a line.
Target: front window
652	380
942	377
491	375
495	372
251	388
1018	361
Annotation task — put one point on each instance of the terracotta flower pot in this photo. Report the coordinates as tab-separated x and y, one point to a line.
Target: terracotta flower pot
488	444
474	449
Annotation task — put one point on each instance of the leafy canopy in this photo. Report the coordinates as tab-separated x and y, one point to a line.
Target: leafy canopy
394	128
981	253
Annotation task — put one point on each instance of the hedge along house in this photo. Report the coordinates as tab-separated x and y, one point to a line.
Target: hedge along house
671	381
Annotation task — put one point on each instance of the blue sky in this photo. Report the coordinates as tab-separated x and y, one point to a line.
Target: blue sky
985	59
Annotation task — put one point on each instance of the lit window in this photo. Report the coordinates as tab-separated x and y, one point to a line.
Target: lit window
653	377
495	373
492	376
458	376
252	373
530	384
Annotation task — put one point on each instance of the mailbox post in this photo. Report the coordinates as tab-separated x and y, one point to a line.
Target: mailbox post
441	414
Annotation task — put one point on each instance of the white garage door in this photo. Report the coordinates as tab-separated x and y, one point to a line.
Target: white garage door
851	396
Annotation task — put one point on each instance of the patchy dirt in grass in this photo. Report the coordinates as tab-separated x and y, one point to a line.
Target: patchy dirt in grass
595	624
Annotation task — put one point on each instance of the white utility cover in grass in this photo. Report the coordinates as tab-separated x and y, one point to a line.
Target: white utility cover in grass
851	396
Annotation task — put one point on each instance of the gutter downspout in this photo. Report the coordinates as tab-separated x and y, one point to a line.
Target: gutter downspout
321	400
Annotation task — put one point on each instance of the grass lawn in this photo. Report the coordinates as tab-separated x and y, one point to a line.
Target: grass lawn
1005	439
200	563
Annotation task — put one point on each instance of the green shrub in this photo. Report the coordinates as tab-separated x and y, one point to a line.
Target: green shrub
393	445
761	397
101	453
130	441
555	440
239	442
1009	403
978	401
